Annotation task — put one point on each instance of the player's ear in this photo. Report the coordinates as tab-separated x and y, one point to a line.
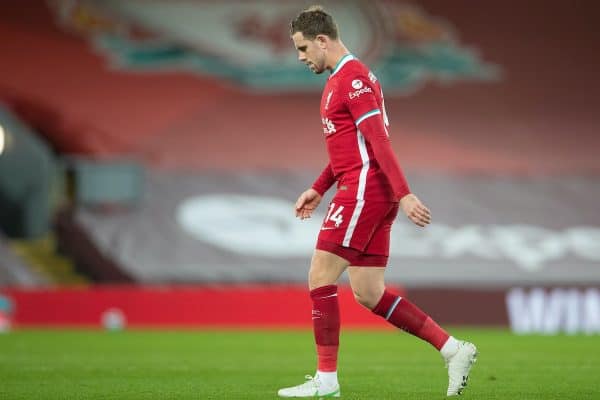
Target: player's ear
322	41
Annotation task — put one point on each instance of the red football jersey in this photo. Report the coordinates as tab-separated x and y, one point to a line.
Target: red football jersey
353	100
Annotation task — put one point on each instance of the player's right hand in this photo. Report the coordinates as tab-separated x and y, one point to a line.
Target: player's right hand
307	202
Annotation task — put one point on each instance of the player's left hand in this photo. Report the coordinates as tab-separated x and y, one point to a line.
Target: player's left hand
415	210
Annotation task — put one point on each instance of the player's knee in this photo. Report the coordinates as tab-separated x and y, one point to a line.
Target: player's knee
325	269
317	277
313	280
366	298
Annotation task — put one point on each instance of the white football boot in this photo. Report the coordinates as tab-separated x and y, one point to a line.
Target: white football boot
459	365
313	387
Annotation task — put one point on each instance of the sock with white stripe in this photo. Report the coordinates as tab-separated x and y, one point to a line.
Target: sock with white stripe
405	315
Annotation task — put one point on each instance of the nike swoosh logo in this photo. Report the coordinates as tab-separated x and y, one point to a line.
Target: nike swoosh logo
326	297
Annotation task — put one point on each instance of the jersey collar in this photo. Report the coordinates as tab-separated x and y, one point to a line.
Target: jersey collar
341	63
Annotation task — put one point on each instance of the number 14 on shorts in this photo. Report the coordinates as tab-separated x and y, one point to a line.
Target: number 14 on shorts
335	215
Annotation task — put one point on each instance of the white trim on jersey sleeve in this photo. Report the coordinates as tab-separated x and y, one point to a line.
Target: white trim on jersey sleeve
366	115
362	184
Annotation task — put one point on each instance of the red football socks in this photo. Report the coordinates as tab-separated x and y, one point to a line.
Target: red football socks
326	326
410	318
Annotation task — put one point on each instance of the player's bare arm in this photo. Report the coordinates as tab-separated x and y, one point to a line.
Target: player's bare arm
307	203
415	210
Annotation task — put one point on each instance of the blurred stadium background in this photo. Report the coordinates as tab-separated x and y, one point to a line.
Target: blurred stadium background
151	151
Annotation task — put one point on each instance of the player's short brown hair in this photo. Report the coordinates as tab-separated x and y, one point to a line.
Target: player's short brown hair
314	21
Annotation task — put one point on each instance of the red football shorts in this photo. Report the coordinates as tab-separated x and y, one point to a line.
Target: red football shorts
358	231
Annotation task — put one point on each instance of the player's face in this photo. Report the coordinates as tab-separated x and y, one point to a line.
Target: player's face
309	52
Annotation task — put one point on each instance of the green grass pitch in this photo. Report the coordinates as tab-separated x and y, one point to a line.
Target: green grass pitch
53	364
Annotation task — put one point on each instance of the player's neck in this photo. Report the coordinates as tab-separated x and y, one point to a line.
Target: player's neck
336	54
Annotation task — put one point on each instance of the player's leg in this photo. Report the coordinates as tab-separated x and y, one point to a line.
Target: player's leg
367	285
341	240
369	290
324	272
